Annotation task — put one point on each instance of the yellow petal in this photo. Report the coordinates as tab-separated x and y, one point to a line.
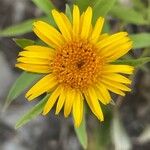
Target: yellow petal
43	37
67	22
111	39
78	109
63	26
36	55
103	94
55	39
61	101
123	49
51	101
114	89
70	97
125	69
103	36
117	78
116	85
37	48
111	48
88	100
28	60
44	85
100	96
97	30
81	21
93	103
86	25
34	68
76	21
30	54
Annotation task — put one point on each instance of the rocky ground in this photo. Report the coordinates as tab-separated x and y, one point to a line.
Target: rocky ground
55	133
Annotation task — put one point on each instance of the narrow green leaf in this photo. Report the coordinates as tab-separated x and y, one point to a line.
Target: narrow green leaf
106	28
102	7
45	5
23	42
68	12
134	62
22	82
32	113
82	133
22	28
140	40
27	42
18	29
129	15
83	4
102	131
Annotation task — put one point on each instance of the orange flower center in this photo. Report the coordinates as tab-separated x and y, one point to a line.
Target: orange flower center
77	64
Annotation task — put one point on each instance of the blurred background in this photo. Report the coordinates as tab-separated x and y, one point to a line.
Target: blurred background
126	126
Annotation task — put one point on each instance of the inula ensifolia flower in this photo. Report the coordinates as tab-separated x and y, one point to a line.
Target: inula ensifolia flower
77	63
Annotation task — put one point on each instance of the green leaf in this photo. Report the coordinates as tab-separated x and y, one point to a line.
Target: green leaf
134	62
19	29
23	42
102	7
82	4
140	40
45	5
22	82
102	131
32	113
128	15
82	134
68	12
106	28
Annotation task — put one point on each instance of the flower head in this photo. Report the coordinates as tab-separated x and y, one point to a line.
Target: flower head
77	64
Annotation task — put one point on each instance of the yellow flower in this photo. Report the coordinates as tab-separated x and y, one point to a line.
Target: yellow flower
77	64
